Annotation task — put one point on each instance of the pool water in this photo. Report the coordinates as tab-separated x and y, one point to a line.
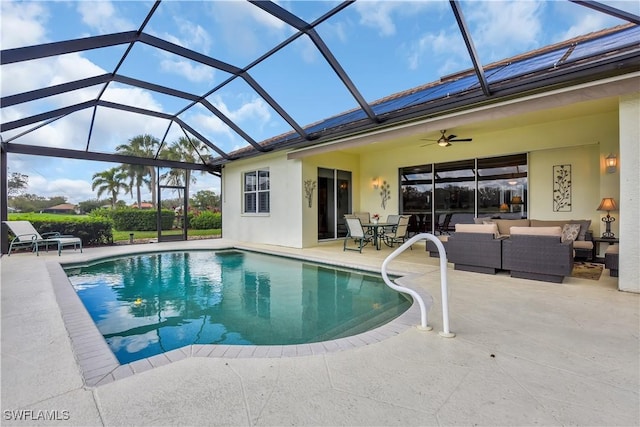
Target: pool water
149	304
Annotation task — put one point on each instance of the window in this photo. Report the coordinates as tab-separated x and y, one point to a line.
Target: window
460	190
256	191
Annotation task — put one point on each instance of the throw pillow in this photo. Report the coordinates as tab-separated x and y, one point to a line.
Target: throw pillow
570	232
584	227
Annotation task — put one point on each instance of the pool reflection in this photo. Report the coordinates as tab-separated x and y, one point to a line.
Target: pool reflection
148	304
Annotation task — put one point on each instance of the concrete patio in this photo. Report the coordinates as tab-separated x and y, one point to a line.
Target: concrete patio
525	353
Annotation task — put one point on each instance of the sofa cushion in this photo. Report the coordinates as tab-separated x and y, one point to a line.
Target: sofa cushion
478	228
584	224
583	244
570	232
537	231
504	225
548	222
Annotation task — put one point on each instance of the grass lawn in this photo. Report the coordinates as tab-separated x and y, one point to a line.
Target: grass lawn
117	234
124	235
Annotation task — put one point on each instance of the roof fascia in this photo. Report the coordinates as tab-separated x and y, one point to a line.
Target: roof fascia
614	86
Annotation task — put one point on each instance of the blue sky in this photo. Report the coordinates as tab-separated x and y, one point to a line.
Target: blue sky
385	46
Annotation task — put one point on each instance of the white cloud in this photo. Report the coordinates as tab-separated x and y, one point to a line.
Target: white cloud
187	69
103	16
197	37
23	23
252	114
500	29
190	36
381	15
443	51
587	24
232	17
377	14
75	190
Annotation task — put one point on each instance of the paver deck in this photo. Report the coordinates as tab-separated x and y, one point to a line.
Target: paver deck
525	353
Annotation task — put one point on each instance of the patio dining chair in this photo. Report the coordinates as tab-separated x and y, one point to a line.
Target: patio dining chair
357	233
27	236
392	219
445	227
365	218
399	234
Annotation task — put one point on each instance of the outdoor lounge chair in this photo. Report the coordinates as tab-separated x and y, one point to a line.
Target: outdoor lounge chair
355	232
27	236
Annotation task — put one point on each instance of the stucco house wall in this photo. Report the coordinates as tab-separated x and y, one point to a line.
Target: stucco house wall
580	140
629	181
283	224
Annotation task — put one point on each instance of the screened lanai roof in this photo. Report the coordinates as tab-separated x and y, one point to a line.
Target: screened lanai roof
81	78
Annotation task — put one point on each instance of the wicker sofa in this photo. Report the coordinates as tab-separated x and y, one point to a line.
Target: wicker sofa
538	253
546	258
475	247
582	245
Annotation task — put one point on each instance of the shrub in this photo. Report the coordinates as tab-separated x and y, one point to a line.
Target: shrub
92	230
206	220
141	220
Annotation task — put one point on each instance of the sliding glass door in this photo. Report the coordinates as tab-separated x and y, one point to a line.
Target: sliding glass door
334	201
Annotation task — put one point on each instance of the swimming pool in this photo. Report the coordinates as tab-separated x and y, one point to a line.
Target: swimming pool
152	303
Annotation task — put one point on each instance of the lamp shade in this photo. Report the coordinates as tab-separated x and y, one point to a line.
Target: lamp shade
608	204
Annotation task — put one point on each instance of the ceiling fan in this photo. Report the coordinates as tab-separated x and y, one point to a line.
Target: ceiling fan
445	141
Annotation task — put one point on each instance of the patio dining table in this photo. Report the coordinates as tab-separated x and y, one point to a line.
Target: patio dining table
376	226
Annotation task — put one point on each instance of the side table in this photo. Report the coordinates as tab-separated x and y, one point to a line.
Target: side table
596	247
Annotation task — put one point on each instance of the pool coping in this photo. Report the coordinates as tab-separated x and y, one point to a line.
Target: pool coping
99	366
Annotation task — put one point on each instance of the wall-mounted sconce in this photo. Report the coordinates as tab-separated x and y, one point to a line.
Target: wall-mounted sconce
376	182
611	162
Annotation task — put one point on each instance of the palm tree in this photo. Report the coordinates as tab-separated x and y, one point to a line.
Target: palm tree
185	150
140	146
111	181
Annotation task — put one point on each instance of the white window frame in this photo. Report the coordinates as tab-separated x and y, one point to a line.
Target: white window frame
257	191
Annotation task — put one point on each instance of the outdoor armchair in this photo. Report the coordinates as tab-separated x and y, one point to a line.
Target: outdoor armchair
537	253
27	236
475	247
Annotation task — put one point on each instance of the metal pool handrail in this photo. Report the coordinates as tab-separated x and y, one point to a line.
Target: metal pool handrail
443	282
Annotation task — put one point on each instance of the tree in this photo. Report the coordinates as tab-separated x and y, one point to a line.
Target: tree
206	200
90	205
17	183
111	181
184	150
34	203
140	146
